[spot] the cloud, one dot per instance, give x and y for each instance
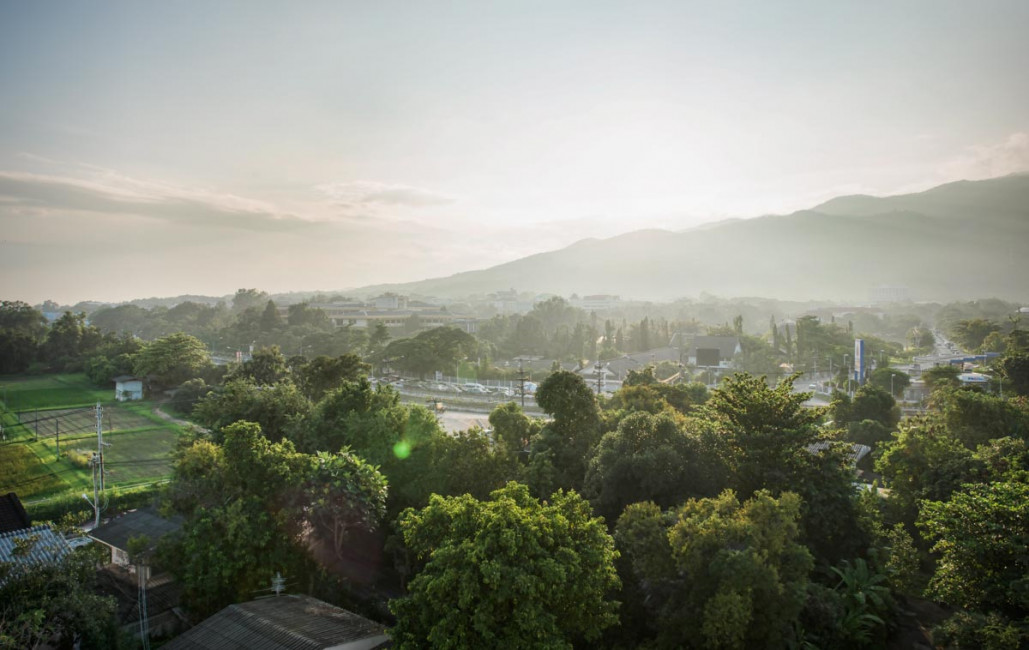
(989, 161)
(365, 194)
(111, 193)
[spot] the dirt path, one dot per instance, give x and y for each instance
(171, 418)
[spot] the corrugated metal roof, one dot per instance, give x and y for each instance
(278, 623)
(31, 547)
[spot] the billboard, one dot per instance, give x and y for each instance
(707, 357)
(858, 372)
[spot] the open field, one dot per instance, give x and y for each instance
(138, 443)
(51, 391)
(23, 472)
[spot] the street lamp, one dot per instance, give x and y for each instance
(846, 366)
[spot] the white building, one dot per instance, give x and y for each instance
(127, 388)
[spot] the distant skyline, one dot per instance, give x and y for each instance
(159, 149)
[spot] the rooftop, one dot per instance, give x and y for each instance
(135, 523)
(283, 623)
(12, 514)
(31, 547)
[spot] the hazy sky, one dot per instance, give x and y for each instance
(161, 148)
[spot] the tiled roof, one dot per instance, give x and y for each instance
(12, 513)
(135, 523)
(44, 546)
(282, 623)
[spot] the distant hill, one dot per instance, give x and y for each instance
(960, 240)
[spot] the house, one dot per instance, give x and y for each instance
(283, 623)
(127, 387)
(12, 514)
(714, 351)
(144, 522)
(31, 547)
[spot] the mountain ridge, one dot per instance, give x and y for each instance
(957, 240)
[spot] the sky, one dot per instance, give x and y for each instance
(166, 148)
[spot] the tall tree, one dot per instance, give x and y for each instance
(568, 439)
(509, 572)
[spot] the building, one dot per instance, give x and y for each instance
(283, 623)
(127, 388)
(12, 514)
(714, 351)
(144, 522)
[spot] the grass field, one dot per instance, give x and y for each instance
(138, 443)
(51, 391)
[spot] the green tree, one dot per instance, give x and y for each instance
(890, 379)
(275, 408)
(941, 377)
(271, 320)
(869, 403)
(768, 442)
(1014, 367)
(343, 493)
(506, 573)
(69, 340)
(379, 338)
(248, 298)
(923, 462)
(171, 360)
(575, 429)
(21, 317)
(54, 605)
(304, 315)
(512, 428)
(323, 374)
(648, 458)
(975, 418)
(250, 504)
(981, 535)
(970, 334)
(440, 348)
(766, 430)
(717, 573)
(265, 367)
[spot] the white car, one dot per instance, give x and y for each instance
(477, 389)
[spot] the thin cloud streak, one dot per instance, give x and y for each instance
(116, 194)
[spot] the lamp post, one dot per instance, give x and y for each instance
(846, 365)
(892, 376)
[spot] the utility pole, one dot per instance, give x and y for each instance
(600, 378)
(143, 574)
(100, 443)
(521, 381)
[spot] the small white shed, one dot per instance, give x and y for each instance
(127, 387)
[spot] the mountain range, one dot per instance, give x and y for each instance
(962, 240)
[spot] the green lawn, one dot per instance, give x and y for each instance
(51, 391)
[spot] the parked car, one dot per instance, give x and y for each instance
(477, 389)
